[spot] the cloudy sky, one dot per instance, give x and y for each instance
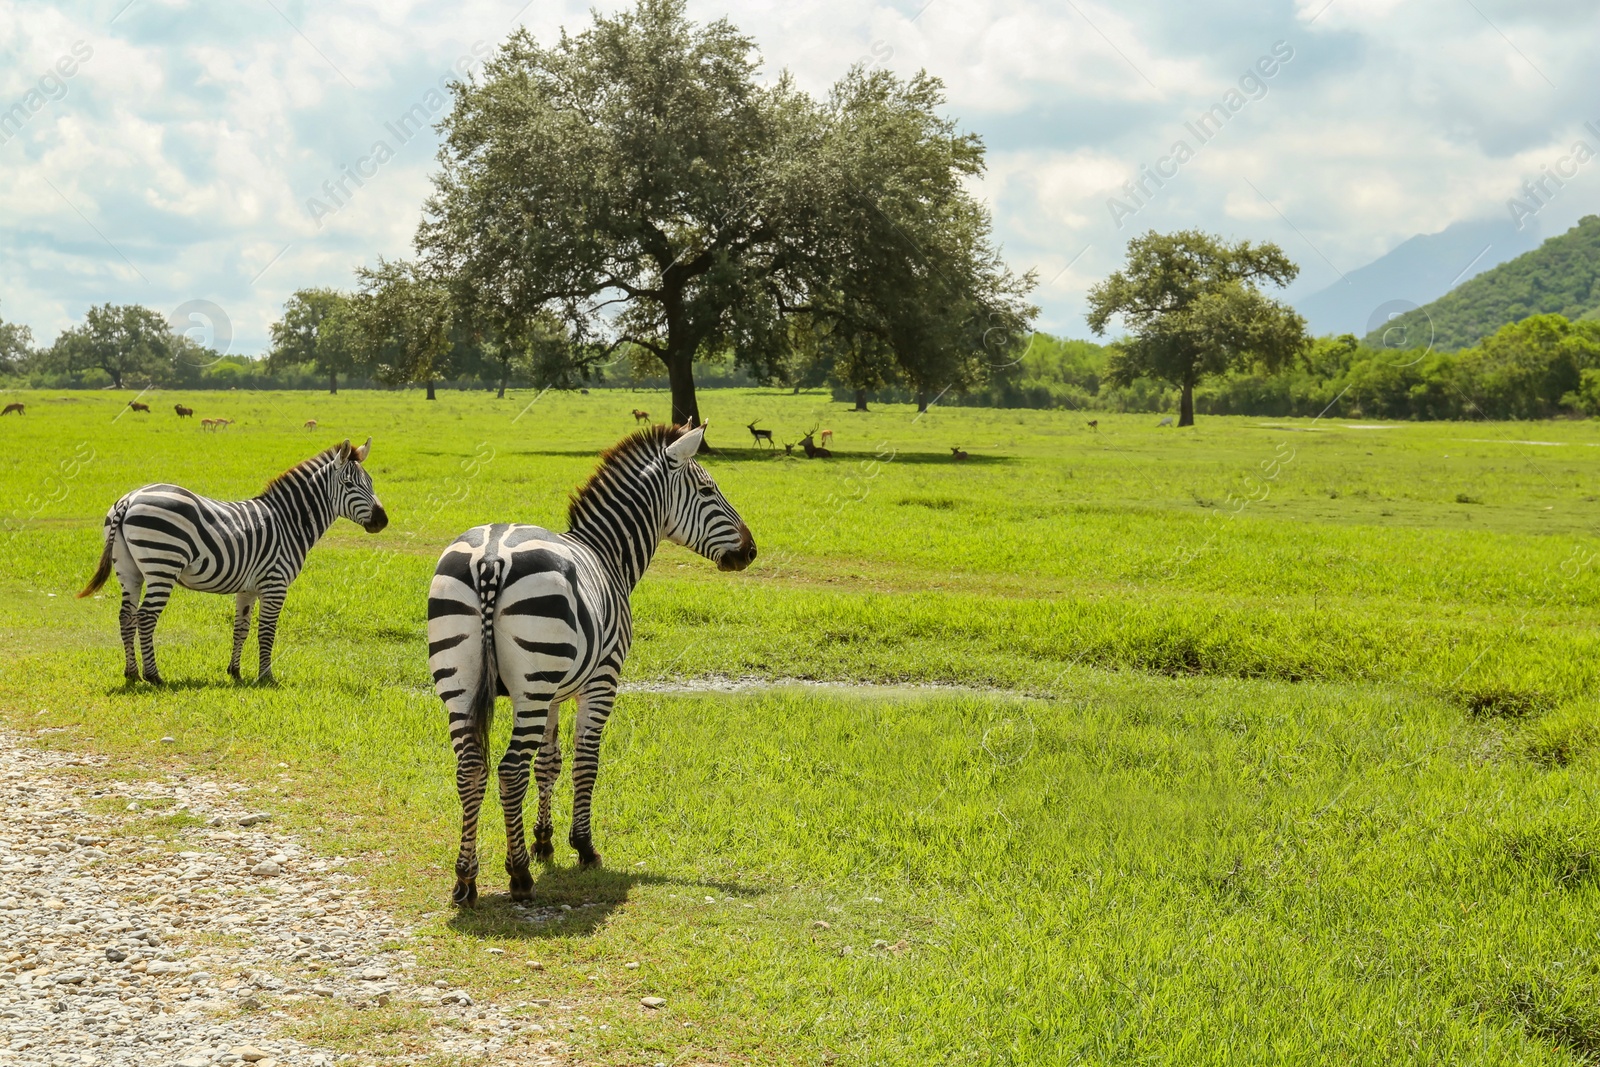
(165, 153)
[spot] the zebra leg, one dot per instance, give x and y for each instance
(527, 734)
(156, 593)
(547, 767)
(267, 630)
(472, 781)
(594, 708)
(131, 581)
(244, 604)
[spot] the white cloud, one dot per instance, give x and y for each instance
(195, 135)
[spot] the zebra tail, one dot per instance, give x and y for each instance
(482, 711)
(103, 571)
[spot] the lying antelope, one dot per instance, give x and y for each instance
(812, 450)
(134, 405)
(956, 454)
(640, 416)
(761, 435)
(18, 408)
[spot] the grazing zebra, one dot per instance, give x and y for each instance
(164, 534)
(522, 612)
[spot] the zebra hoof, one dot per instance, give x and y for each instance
(466, 893)
(130, 676)
(153, 678)
(521, 883)
(542, 848)
(587, 856)
(233, 672)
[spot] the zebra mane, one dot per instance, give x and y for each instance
(305, 466)
(646, 443)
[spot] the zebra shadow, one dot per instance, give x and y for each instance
(573, 902)
(183, 685)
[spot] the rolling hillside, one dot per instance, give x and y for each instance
(1562, 275)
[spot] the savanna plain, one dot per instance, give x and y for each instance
(1262, 741)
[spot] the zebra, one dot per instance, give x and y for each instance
(164, 534)
(518, 611)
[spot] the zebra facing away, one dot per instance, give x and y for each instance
(163, 535)
(541, 617)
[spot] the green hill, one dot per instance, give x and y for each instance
(1562, 275)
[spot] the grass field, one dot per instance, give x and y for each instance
(1262, 741)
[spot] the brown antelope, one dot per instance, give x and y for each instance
(1094, 424)
(812, 450)
(957, 454)
(18, 408)
(134, 405)
(826, 436)
(183, 412)
(761, 435)
(640, 416)
(311, 424)
(209, 424)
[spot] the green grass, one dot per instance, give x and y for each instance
(1264, 745)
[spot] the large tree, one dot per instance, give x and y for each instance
(404, 326)
(636, 181)
(126, 341)
(318, 328)
(16, 346)
(1193, 306)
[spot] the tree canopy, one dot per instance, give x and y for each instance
(317, 328)
(16, 346)
(1193, 307)
(638, 184)
(127, 341)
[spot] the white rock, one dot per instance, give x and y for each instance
(266, 869)
(653, 1002)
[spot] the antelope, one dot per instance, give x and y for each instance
(640, 416)
(761, 435)
(18, 408)
(812, 451)
(827, 437)
(134, 405)
(209, 424)
(1094, 424)
(311, 424)
(183, 412)
(957, 455)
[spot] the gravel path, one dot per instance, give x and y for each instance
(126, 950)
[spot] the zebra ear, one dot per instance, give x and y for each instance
(360, 454)
(341, 453)
(684, 448)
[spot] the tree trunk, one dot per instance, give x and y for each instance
(430, 390)
(680, 375)
(861, 400)
(922, 402)
(1186, 406)
(333, 383)
(501, 395)
(796, 391)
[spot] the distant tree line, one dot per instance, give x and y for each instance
(1545, 366)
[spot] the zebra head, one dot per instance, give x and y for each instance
(698, 516)
(353, 497)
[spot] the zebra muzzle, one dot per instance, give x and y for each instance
(738, 559)
(379, 520)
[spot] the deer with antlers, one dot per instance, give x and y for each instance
(761, 435)
(957, 455)
(813, 451)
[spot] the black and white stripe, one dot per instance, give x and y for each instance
(541, 617)
(164, 535)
